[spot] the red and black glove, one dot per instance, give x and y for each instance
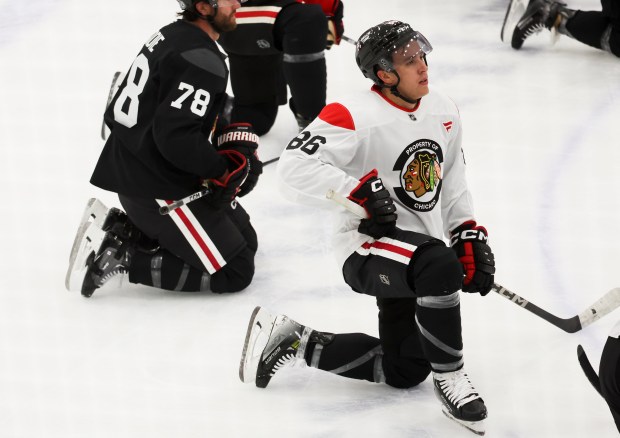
(334, 11)
(469, 240)
(225, 188)
(375, 198)
(241, 137)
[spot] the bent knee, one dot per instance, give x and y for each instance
(236, 275)
(435, 270)
(407, 377)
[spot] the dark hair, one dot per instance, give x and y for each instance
(188, 15)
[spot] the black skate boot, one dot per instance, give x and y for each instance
(302, 122)
(102, 231)
(96, 220)
(460, 400)
(270, 344)
(538, 15)
(113, 258)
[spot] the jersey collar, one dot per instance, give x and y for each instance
(377, 90)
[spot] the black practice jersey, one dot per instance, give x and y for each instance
(162, 116)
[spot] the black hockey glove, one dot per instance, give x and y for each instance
(469, 242)
(241, 137)
(374, 197)
(334, 11)
(226, 188)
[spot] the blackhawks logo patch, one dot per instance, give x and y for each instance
(419, 166)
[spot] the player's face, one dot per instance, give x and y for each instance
(225, 19)
(410, 64)
(411, 177)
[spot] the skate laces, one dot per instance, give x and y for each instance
(535, 22)
(286, 360)
(113, 273)
(283, 343)
(529, 31)
(109, 266)
(457, 387)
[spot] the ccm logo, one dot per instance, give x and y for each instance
(473, 235)
(513, 297)
(377, 185)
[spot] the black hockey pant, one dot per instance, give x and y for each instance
(200, 249)
(415, 279)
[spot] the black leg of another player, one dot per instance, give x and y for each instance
(301, 30)
(609, 375)
(200, 250)
(258, 87)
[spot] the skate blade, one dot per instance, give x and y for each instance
(88, 240)
(515, 11)
(95, 212)
(476, 427)
(259, 329)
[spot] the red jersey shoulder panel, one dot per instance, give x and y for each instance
(337, 114)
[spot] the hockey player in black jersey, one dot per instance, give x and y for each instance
(279, 43)
(599, 29)
(160, 149)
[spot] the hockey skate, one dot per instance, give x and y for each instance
(460, 401)
(538, 15)
(270, 344)
(515, 11)
(112, 258)
(97, 219)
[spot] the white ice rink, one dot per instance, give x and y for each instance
(541, 141)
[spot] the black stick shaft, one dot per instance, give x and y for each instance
(167, 209)
(570, 325)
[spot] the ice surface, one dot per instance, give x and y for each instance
(541, 140)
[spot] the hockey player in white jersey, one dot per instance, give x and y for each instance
(396, 151)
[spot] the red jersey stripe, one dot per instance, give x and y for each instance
(199, 239)
(254, 14)
(389, 247)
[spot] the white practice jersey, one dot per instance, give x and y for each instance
(417, 154)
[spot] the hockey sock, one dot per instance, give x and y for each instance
(439, 322)
(307, 82)
(352, 355)
(164, 270)
(261, 115)
(302, 30)
(594, 29)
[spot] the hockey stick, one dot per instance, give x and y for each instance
(604, 305)
(608, 302)
(110, 96)
(348, 40)
(268, 162)
(167, 209)
(586, 366)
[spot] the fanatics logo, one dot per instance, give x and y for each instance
(413, 117)
(384, 279)
(448, 126)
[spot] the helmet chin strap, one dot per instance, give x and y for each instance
(395, 92)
